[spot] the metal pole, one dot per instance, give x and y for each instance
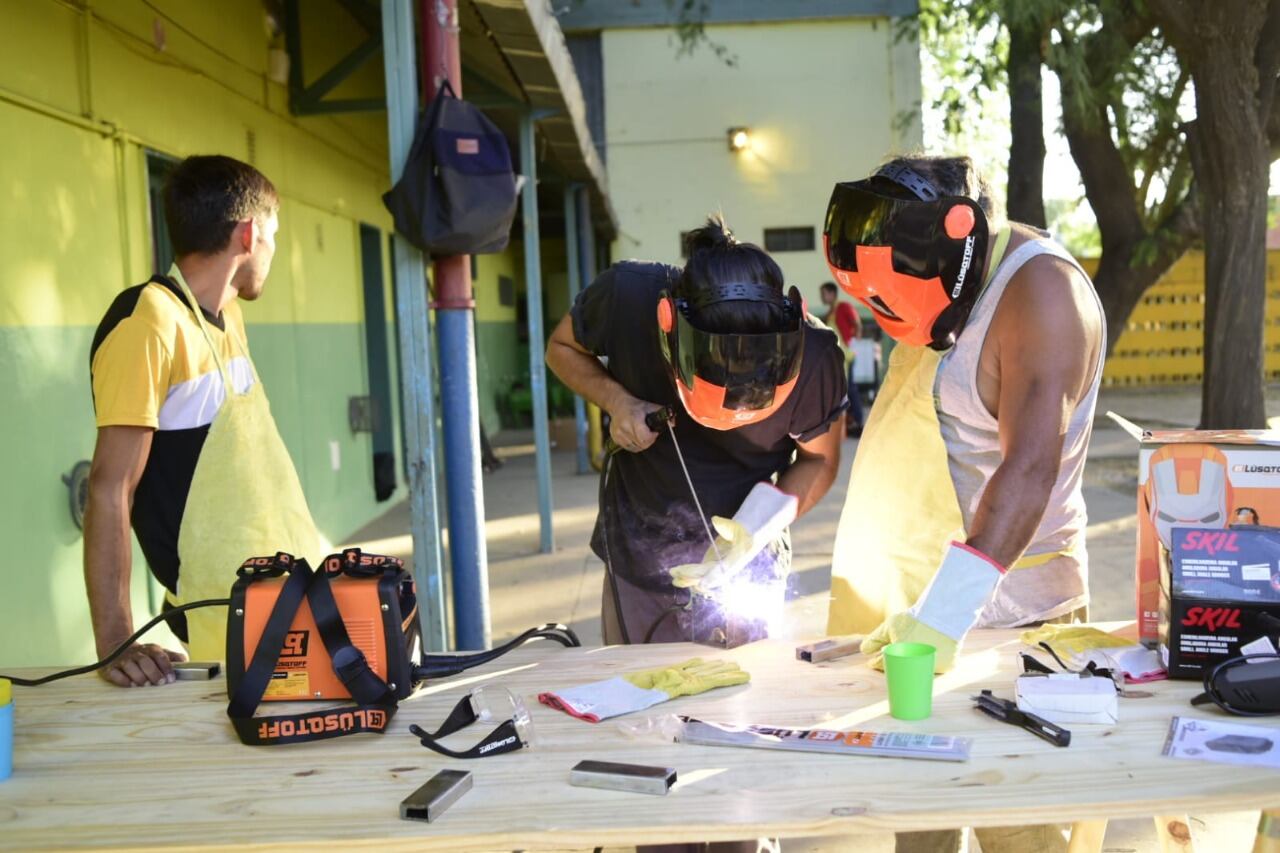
(586, 270)
(533, 292)
(459, 403)
(415, 333)
(573, 263)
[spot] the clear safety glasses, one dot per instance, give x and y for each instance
(486, 705)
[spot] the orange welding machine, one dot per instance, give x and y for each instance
(348, 630)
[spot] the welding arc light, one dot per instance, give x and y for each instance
(739, 139)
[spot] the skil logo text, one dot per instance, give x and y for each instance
(1210, 541)
(1212, 618)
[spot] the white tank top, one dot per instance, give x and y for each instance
(972, 435)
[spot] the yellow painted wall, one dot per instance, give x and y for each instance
(1163, 341)
(86, 90)
(824, 102)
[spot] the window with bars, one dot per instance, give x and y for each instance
(792, 239)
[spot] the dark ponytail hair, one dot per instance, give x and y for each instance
(716, 257)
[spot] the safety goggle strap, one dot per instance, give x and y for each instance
(462, 715)
(505, 738)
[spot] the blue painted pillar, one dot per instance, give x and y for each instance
(459, 404)
(573, 263)
(414, 332)
(537, 340)
(586, 272)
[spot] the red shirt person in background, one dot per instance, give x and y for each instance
(843, 317)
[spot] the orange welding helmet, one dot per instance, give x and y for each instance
(729, 380)
(1188, 486)
(912, 255)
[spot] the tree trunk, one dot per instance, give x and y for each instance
(1026, 124)
(1229, 150)
(1120, 285)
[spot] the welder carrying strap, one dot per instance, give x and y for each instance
(376, 702)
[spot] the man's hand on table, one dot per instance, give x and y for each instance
(143, 664)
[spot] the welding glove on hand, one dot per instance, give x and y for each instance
(635, 691)
(761, 519)
(943, 614)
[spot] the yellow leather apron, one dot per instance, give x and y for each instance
(245, 501)
(901, 511)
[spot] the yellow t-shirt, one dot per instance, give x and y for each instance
(151, 366)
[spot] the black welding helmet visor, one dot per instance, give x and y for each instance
(915, 257)
(731, 380)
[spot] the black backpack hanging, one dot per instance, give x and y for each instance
(457, 195)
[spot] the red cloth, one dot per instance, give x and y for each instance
(846, 322)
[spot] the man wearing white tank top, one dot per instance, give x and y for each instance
(964, 505)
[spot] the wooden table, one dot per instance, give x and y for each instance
(160, 767)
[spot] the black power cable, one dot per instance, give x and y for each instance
(81, 670)
(443, 666)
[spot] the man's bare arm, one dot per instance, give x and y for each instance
(582, 372)
(815, 469)
(118, 460)
(1049, 339)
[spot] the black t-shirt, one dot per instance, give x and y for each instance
(645, 505)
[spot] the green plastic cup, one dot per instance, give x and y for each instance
(908, 667)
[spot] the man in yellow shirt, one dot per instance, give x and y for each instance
(187, 451)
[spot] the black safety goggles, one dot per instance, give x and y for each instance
(485, 704)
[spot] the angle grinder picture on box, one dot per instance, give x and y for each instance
(1221, 597)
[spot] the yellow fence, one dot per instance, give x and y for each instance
(1163, 342)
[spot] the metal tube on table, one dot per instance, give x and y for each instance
(414, 332)
(533, 294)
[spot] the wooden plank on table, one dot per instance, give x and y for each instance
(160, 767)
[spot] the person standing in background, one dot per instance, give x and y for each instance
(843, 318)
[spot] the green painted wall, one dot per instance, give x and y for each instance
(498, 350)
(83, 95)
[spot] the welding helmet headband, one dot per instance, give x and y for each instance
(915, 257)
(731, 380)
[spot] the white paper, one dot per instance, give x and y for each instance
(1256, 572)
(1260, 646)
(1068, 699)
(1223, 743)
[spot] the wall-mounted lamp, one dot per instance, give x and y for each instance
(739, 139)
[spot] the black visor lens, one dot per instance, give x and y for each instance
(749, 367)
(859, 216)
(855, 217)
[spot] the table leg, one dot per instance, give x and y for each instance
(1174, 832)
(1086, 836)
(1268, 840)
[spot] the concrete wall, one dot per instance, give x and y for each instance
(825, 101)
(83, 96)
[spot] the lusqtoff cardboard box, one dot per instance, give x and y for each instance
(1196, 478)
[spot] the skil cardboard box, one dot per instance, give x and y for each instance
(1222, 599)
(1200, 478)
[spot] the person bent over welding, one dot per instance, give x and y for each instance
(718, 368)
(964, 505)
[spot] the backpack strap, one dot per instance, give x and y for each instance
(375, 702)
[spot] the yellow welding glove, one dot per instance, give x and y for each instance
(734, 544)
(1072, 640)
(761, 519)
(689, 678)
(905, 628)
(635, 691)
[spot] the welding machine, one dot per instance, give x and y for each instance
(348, 630)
